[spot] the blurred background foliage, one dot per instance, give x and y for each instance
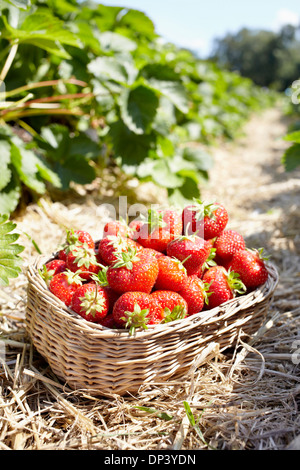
(271, 59)
(84, 86)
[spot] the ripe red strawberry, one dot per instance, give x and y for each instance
(91, 302)
(116, 227)
(111, 245)
(63, 285)
(251, 267)
(75, 237)
(101, 280)
(159, 228)
(171, 274)
(191, 250)
(51, 268)
(108, 321)
(83, 259)
(152, 252)
(194, 293)
(227, 244)
(206, 220)
(134, 228)
(133, 272)
(136, 310)
(223, 285)
(174, 305)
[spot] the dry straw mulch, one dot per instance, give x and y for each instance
(246, 399)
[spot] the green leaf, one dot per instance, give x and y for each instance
(114, 42)
(5, 173)
(159, 414)
(42, 29)
(128, 147)
(10, 195)
(174, 91)
(10, 261)
(108, 68)
(22, 4)
(293, 137)
(137, 21)
(184, 194)
(138, 108)
(55, 140)
(75, 169)
(201, 159)
(291, 157)
(163, 175)
(24, 162)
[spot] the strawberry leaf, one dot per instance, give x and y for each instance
(10, 261)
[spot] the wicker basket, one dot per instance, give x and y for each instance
(103, 361)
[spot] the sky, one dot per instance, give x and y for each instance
(196, 23)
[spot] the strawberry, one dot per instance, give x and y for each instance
(91, 302)
(174, 305)
(83, 259)
(75, 237)
(194, 293)
(251, 267)
(134, 228)
(51, 268)
(63, 285)
(228, 243)
(191, 250)
(205, 220)
(152, 252)
(136, 310)
(171, 274)
(111, 245)
(222, 285)
(159, 228)
(116, 227)
(133, 271)
(108, 321)
(101, 280)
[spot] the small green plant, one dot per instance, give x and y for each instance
(10, 261)
(195, 423)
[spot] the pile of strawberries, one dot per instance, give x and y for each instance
(165, 266)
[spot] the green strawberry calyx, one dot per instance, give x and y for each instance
(84, 256)
(180, 264)
(210, 261)
(138, 318)
(235, 283)
(101, 277)
(91, 303)
(73, 278)
(154, 219)
(126, 259)
(203, 209)
(72, 241)
(206, 290)
(46, 274)
(177, 313)
(259, 252)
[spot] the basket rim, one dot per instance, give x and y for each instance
(230, 307)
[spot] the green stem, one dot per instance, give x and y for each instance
(30, 86)
(37, 112)
(8, 62)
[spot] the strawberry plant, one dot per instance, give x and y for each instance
(98, 88)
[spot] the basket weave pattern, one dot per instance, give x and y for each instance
(106, 361)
